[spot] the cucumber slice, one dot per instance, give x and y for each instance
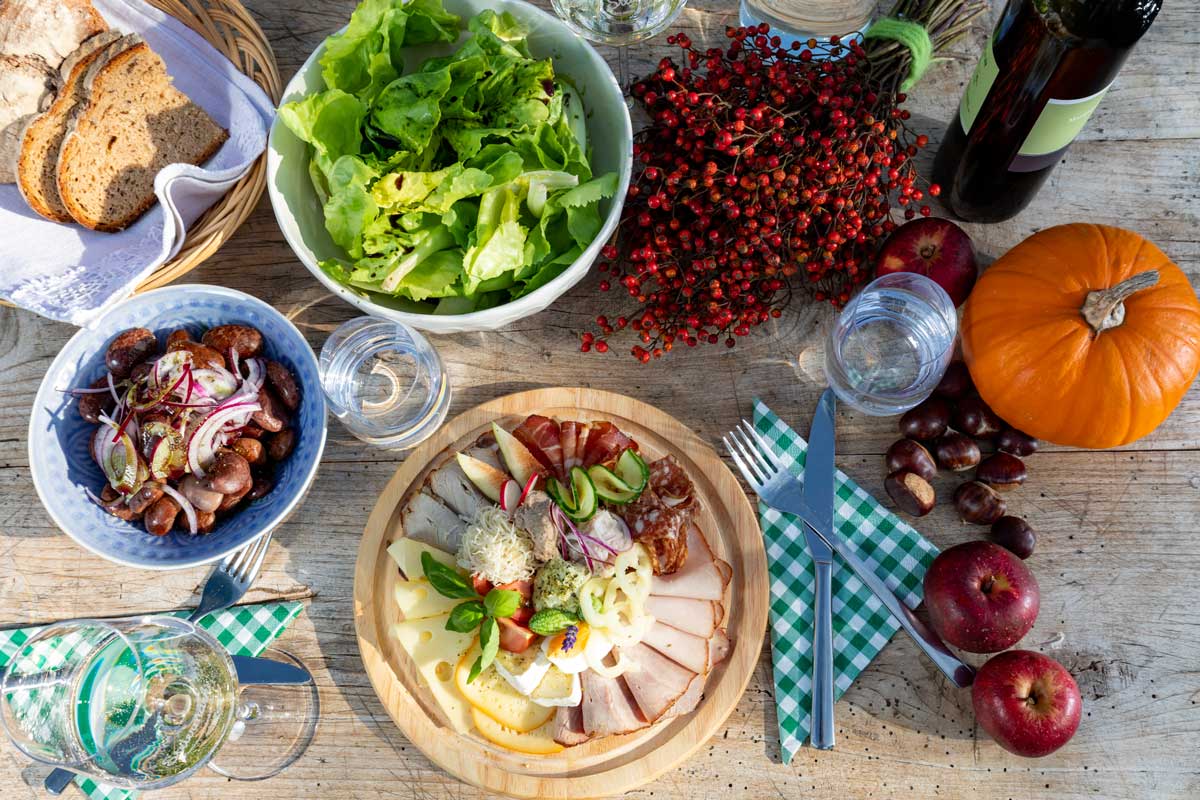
(561, 495)
(585, 496)
(633, 471)
(609, 487)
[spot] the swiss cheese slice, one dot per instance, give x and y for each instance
(407, 554)
(418, 600)
(436, 651)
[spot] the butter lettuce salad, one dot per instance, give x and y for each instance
(461, 185)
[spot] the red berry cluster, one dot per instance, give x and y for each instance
(760, 163)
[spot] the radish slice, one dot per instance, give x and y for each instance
(188, 510)
(529, 484)
(510, 496)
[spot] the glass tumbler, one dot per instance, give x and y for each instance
(891, 344)
(618, 22)
(385, 382)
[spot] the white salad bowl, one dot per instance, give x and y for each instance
(301, 216)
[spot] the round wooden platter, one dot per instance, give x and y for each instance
(611, 765)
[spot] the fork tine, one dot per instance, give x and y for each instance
(755, 484)
(764, 447)
(761, 461)
(250, 572)
(741, 448)
(235, 562)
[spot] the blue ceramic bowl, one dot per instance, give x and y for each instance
(59, 439)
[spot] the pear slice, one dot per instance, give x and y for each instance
(486, 478)
(520, 462)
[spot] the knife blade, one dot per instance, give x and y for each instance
(256, 671)
(818, 467)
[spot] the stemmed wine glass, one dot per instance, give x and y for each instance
(145, 703)
(618, 22)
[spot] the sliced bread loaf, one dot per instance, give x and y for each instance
(130, 123)
(48, 29)
(37, 163)
(27, 85)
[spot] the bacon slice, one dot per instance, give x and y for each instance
(568, 726)
(690, 616)
(682, 648)
(658, 682)
(604, 443)
(568, 433)
(541, 435)
(608, 706)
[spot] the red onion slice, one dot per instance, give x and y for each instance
(188, 510)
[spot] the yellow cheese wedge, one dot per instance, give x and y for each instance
(407, 554)
(436, 651)
(538, 742)
(493, 695)
(418, 600)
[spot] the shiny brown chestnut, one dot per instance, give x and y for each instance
(1002, 471)
(975, 418)
(926, 421)
(911, 493)
(979, 503)
(1016, 442)
(956, 452)
(956, 382)
(911, 455)
(1015, 535)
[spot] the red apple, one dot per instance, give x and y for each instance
(1027, 702)
(935, 248)
(981, 597)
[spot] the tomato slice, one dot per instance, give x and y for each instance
(515, 638)
(523, 615)
(480, 584)
(525, 588)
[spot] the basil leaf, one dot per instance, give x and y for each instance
(489, 642)
(502, 602)
(446, 580)
(466, 617)
(550, 621)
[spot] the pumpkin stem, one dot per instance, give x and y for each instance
(1105, 309)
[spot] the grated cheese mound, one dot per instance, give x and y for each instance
(493, 547)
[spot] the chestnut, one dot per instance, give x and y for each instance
(926, 421)
(1001, 471)
(911, 493)
(1019, 443)
(1015, 535)
(979, 503)
(910, 455)
(956, 382)
(956, 452)
(976, 419)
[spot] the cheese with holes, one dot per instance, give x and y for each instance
(493, 695)
(418, 600)
(436, 651)
(407, 554)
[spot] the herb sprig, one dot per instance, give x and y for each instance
(474, 612)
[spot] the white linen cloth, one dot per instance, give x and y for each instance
(71, 274)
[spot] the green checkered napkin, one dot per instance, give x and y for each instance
(244, 631)
(861, 624)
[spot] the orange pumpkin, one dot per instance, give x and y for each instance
(1084, 335)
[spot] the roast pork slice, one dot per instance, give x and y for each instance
(688, 702)
(718, 647)
(696, 617)
(452, 486)
(568, 726)
(608, 706)
(428, 520)
(695, 581)
(488, 454)
(656, 682)
(682, 648)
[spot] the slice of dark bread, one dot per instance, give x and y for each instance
(130, 123)
(48, 29)
(37, 163)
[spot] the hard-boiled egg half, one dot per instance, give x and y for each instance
(572, 653)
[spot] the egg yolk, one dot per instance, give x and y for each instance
(555, 648)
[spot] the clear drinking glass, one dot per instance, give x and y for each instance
(618, 22)
(891, 344)
(144, 703)
(385, 382)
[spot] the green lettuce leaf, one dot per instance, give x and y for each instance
(409, 108)
(329, 121)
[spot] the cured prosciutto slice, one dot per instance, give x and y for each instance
(541, 435)
(608, 706)
(683, 648)
(568, 434)
(658, 682)
(696, 617)
(582, 431)
(568, 726)
(604, 443)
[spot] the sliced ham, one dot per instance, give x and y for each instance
(699, 582)
(696, 617)
(656, 682)
(541, 435)
(568, 726)
(683, 648)
(567, 434)
(608, 706)
(604, 443)
(688, 702)
(718, 647)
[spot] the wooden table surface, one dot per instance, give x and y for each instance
(1117, 559)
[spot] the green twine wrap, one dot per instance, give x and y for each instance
(913, 36)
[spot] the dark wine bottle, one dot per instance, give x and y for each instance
(1042, 74)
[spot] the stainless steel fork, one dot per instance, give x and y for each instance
(226, 584)
(777, 487)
